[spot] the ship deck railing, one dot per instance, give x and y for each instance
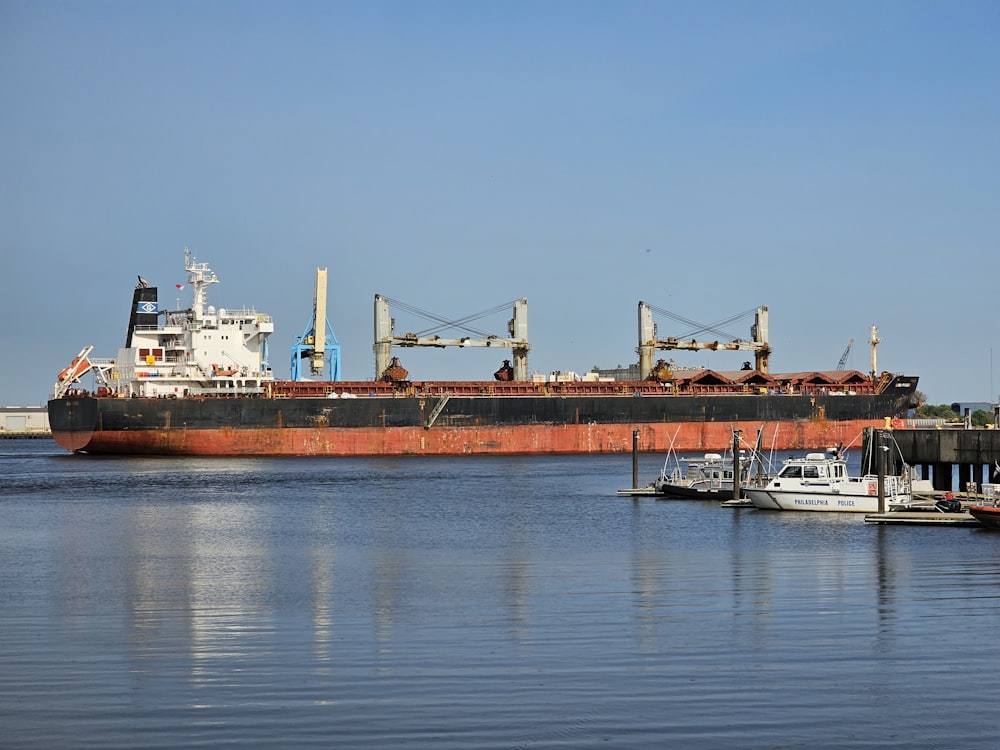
(384, 389)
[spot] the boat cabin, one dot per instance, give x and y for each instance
(814, 466)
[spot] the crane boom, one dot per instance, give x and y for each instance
(843, 357)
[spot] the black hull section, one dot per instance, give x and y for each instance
(81, 414)
(686, 493)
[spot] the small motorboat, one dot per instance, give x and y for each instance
(987, 515)
(708, 478)
(711, 476)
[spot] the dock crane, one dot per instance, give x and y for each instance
(317, 343)
(648, 342)
(844, 356)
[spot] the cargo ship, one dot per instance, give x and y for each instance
(198, 381)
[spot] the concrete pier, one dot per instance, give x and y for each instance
(937, 453)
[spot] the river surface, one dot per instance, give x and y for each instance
(466, 603)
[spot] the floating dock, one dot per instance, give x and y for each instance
(927, 514)
(922, 518)
(649, 491)
(741, 503)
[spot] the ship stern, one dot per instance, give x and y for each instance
(73, 420)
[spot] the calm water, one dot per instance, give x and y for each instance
(472, 603)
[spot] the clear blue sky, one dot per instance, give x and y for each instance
(837, 162)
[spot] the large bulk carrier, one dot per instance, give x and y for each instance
(198, 382)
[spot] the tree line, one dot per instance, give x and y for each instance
(979, 418)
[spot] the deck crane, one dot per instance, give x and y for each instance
(843, 357)
(648, 342)
(317, 343)
(517, 339)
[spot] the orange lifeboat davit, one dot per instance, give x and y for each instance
(80, 365)
(218, 372)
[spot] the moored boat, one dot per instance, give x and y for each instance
(198, 382)
(712, 476)
(987, 515)
(821, 482)
(706, 478)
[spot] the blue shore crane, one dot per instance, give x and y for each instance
(318, 342)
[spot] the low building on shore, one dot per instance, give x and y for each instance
(24, 421)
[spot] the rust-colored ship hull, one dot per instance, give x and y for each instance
(444, 419)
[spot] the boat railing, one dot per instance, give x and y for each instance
(991, 494)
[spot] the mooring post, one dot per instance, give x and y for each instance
(635, 459)
(882, 450)
(737, 466)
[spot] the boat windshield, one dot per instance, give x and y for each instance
(791, 472)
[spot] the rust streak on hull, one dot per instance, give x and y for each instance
(450, 441)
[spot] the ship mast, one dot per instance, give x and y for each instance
(875, 341)
(199, 277)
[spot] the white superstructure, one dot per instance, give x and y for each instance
(198, 351)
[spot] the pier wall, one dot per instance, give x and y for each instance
(942, 455)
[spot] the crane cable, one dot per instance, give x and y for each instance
(444, 323)
(714, 328)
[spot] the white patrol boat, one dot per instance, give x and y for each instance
(201, 351)
(820, 482)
